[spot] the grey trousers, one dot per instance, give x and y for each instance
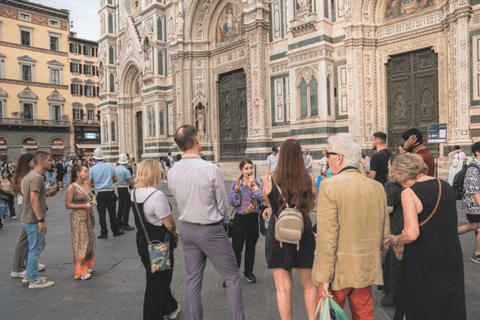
(21, 253)
(200, 243)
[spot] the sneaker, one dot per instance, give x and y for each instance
(26, 279)
(90, 271)
(174, 314)
(41, 267)
(1, 223)
(41, 283)
(85, 277)
(224, 284)
(14, 274)
(475, 258)
(250, 278)
(13, 217)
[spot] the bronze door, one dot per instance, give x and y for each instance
(233, 115)
(412, 95)
(139, 137)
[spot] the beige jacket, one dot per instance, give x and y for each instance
(353, 228)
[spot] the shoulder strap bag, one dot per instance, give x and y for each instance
(400, 248)
(158, 251)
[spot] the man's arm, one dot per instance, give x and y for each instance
(373, 167)
(38, 211)
(268, 168)
(131, 182)
(220, 194)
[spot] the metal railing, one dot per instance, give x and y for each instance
(34, 122)
(82, 121)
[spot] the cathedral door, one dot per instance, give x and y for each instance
(412, 95)
(233, 115)
(139, 118)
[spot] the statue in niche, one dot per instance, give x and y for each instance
(170, 27)
(148, 56)
(200, 118)
(180, 25)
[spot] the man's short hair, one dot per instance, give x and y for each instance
(40, 156)
(380, 136)
(185, 137)
(413, 132)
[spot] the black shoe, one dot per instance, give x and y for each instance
(250, 278)
(118, 233)
(102, 236)
(128, 228)
(1, 223)
(224, 284)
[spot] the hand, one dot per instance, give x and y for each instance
(94, 203)
(251, 181)
(88, 206)
(410, 143)
(237, 187)
(267, 213)
(323, 289)
(43, 227)
(51, 192)
(177, 237)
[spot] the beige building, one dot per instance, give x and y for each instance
(35, 110)
(84, 94)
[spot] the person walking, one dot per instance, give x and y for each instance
(353, 230)
(199, 190)
(156, 215)
(471, 201)
(33, 218)
(245, 196)
(433, 276)
(309, 162)
(60, 168)
(124, 181)
(50, 174)
(414, 144)
(6, 189)
(291, 178)
(24, 166)
(80, 199)
(379, 161)
(458, 157)
(102, 175)
(272, 161)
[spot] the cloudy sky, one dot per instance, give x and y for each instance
(83, 13)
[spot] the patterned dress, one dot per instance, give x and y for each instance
(83, 235)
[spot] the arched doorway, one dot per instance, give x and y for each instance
(3, 149)
(57, 148)
(29, 145)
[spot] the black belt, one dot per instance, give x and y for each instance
(201, 224)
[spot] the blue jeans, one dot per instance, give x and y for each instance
(65, 179)
(36, 244)
(50, 177)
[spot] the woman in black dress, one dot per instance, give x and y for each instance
(433, 277)
(298, 190)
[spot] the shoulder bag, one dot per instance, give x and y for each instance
(400, 248)
(158, 251)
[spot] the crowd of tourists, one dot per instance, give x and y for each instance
(383, 221)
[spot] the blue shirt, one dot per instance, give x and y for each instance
(123, 174)
(101, 175)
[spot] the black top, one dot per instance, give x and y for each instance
(379, 163)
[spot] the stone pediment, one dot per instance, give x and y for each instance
(56, 96)
(3, 93)
(26, 58)
(89, 81)
(131, 48)
(27, 94)
(2, 56)
(55, 63)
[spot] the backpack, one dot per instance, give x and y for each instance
(459, 180)
(289, 224)
(167, 162)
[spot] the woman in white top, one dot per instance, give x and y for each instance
(457, 156)
(156, 215)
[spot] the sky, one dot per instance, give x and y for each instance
(83, 14)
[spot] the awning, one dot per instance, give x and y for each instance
(3, 147)
(57, 147)
(88, 146)
(30, 147)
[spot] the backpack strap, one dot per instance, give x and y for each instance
(280, 191)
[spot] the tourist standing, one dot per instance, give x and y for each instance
(6, 189)
(309, 162)
(272, 161)
(199, 190)
(414, 144)
(124, 181)
(433, 276)
(102, 175)
(379, 161)
(60, 168)
(457, 156)
(156, 215)
(80, 199)
(245, 196)
(297, 190)
(33, 218)
(50, 174)
(353, 230)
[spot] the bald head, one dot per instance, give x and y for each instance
(185, 137)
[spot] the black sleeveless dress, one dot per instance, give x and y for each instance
(433, 276)
(287, 257)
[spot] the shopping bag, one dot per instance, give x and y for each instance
(318, 182)
(328, 309)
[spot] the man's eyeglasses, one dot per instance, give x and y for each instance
(331, 154)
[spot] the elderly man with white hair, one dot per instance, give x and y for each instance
(353, 230)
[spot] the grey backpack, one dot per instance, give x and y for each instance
(289, 225)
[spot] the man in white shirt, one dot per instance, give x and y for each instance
(199, 190)
(272, 161)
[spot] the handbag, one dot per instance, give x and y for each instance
(159, 252)
(262, 227)
(399, 249)
(229, 226)
(114, 197)
(3, 196)
(328, 309)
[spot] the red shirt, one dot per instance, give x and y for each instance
(429, 161)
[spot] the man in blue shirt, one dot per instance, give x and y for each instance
(103, 177)
(124, 180)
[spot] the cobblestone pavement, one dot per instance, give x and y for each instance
(116, 288)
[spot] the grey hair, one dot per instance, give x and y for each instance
(346, 145)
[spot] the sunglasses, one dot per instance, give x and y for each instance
(331, 154)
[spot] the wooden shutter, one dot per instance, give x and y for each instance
(81, 114)
(71, 88)
(81, 89)
(71, 67)
(71, 50)
(79, 49)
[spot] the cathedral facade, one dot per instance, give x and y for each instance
(249, 74)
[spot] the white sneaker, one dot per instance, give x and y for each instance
(26, 279)
(85, 277)
(90, 271)
(17, 274)
(41, 267)
(41, 283)
(174, 314)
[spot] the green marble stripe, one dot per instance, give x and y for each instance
(299, 132)
(475, 119)
(161, 88)
(106, 103)
(278, 56)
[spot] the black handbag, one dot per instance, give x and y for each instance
(3, 196)
(261, 227)
(229, 226)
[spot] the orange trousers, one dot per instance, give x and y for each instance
(361, 301)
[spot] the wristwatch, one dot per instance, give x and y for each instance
(42, 220)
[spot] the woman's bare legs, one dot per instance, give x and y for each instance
(310, 291)
(283, 283)
(471, 227)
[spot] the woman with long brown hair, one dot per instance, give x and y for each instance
(297, 189)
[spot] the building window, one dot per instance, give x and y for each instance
(105, 131)
(111, 55)
(162, 124)
(307, 91)
(25, 37)
(76, 89)
(303, 99)
(110, 23)
(77, 114)
(24, 16)
(27, 111)
(54, 43)
(313, 97)
(151, 123)
(88, 51)
(160, 62)
(75, 68)
(2, 66)
(114, 131)
(88, 69)
(56, 113)
(159, 29)
(90, 115)
(54, 23)
(54, 76)
(112, 83)
(27, 73)
(89, 91)
(74, 48)
(2, 109)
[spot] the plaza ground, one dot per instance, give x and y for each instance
(116, 288)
